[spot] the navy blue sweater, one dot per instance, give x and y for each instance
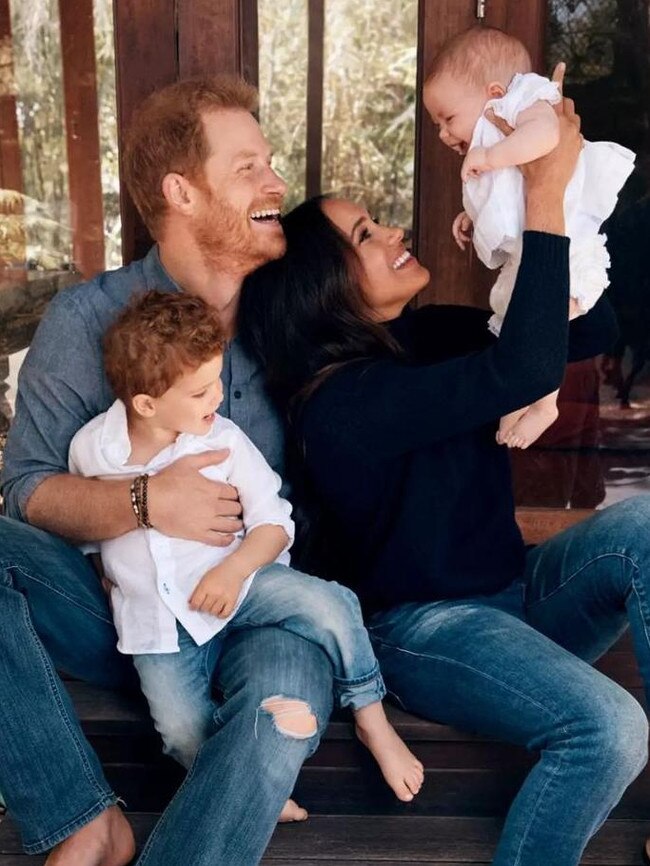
(402, 453)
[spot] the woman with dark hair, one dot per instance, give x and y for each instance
(392, 415)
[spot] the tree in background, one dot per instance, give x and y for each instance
(369, 110)
(40, 111)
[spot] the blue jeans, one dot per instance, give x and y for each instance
(178, 685)
(53, 613)
(516, 666)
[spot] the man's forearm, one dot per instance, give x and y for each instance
(82, 509)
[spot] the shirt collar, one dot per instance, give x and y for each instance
(155, 275)
(114, 441)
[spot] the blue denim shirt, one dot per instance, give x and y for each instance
(62, 384)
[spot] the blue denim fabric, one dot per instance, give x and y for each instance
(62, 384)
(178, 685)
(515, 666)
(53, 613)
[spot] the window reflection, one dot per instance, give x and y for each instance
(599, 450)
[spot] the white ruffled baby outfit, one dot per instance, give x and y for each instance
(495, 202)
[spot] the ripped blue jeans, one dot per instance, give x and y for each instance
(178, 686)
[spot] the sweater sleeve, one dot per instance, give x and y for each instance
(593, 333)
(392, 408)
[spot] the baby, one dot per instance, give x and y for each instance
(484, 68)
(174, 599)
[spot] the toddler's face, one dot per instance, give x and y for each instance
(190, 404)
(454, 106)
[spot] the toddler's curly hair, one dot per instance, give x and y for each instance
(156, 338)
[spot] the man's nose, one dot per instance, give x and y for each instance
(274, 184)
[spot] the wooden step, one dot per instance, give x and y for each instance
(329, 839)
(466, 775)
(470, 782)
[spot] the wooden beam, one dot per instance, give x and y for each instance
(218, 36)
(457, 278)
(11, 176)
(250, 47)
(82, 135)
(315, 73)
(146, 58)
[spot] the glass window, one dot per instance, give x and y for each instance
(368, 102)
(599, 450)
(39, 242)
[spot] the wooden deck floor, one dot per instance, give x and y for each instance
(470, 782)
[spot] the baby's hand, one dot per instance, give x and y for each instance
(475, 163)
(461, 229)
(217, 591)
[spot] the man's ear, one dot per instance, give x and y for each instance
(179, 193)
(144, 405)
(496, 90)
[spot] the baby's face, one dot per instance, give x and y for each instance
(454, 106)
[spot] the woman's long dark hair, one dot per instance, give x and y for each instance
(304, 316)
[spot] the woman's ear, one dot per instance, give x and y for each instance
(496, 90)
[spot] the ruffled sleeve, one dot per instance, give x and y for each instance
(524, 91)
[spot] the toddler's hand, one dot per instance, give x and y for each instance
(461, 229)
(475, 163)
(217, 591)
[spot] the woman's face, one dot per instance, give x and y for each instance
(390, 275)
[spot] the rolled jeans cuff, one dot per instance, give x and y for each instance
(360, 692)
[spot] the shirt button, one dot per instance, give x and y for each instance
(237, 394)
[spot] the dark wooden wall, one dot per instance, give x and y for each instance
(160, 41)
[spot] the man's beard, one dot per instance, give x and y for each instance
(227, 242)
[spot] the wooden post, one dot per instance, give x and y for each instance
(145, 57)
(10, 165)
(82, 134)
(218, 36)
(315, 72)
(456, 277)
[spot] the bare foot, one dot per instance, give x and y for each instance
(106, 841)
(531, 425)
(291, 811)
(507, 423)
(399, 766)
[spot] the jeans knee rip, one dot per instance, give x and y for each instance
(280, 707)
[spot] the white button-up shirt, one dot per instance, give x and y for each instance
(154, 575)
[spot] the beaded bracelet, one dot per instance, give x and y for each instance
(139, 487)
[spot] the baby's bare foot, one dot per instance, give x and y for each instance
(291, 811)
(106, 841)
(531, 425)
(399, 766)
(507, 424)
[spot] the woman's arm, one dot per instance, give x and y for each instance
(391, 408)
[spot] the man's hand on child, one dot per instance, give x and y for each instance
(461, 229)
(217, 591)
(184, 503)
(476, 163)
